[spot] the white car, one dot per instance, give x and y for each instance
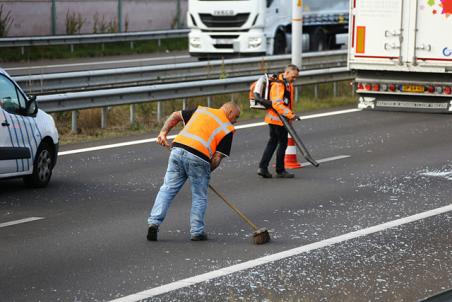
(28, 136)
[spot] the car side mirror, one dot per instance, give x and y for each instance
(32, 106)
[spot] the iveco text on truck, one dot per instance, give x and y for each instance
(221, 28)
(401, 52)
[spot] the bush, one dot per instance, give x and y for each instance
(74, 23)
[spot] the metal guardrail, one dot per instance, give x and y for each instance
(161, 92)
(93, 38)
(145, 75)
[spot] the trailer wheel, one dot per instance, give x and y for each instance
(42, 167)
(279, 43)
(319, 40)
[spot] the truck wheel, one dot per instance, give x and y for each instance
(279, 43)
(42, 167)
(319, 41)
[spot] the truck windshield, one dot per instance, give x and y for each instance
(324, 5)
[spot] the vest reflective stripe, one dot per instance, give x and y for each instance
(272, 117)
(223, 125)
(198, 139)
(212, 125)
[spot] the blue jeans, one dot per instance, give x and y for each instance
(183, 165)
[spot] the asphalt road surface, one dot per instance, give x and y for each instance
(84, 64)
(372, 223)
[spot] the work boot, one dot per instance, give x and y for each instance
(200, 237)
(285, 174)
(264, 173)
(152, 232)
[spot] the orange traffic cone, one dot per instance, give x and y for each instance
(290, 159)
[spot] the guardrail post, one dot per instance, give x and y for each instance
(316, 91)
(209, 101)
(132, 114)
(120, 16)
(22, 50)
(159, 43)
(72, 48)
(132, 45)
(74, 127)
(159, 111)
(335, 89)
(53, 14)
(178, 14)
(184, 104)
(103, 117)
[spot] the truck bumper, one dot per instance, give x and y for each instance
(210, 44)
(405, 103)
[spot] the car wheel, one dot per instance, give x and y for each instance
(42, 167)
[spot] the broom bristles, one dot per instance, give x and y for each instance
(261, 236)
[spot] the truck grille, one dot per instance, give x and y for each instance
(223, 46)
(224, 21)
(224, 37)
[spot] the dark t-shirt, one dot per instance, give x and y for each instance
(224, 147)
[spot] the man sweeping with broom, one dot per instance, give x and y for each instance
(196, 151)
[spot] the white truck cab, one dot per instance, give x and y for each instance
(223, 28)
(28, 136)
(241, 26)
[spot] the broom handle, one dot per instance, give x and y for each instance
(234, 208)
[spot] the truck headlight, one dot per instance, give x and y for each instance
(195, 42)
(254, 42)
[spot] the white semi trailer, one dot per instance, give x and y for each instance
(401, 52)
(222, 28)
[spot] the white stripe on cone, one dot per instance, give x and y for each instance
(290, 158)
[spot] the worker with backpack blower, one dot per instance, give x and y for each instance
(281, 95)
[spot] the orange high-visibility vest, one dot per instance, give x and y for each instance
(205, 130)
(280, 95)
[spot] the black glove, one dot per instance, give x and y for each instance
(266, 103)
(297, 118)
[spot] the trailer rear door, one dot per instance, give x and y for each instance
(376, 33)
(433, 42)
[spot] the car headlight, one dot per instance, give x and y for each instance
(254, 42)
(195, 42)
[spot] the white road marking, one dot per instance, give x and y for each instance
(14, 222)
(143, 141)
(324, 160)
(166, 288)
(96, 63)
(306, 117)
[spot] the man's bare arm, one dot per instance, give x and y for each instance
(174, 119)
(216, 159)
